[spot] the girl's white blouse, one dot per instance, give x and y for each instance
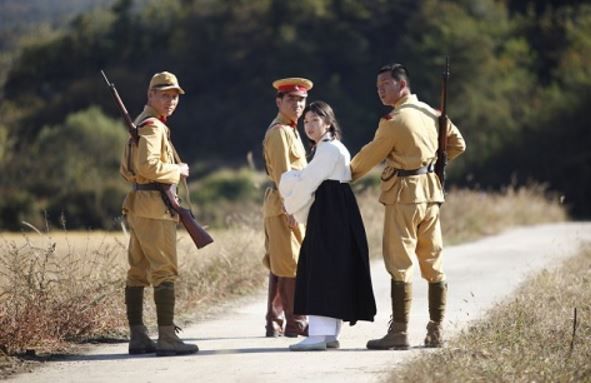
(297, 187)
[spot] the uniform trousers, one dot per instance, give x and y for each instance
(413, 230)
(152, 251)
(282, 246)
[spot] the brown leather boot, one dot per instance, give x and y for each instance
(139, 341)
(437, 303)
(397, 336)
(395, 339)
(274, 326)
(296, 324)
(168, 343)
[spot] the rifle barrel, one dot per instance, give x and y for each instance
(106, 79)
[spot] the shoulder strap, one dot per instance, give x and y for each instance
(146, 121)
(177, 160)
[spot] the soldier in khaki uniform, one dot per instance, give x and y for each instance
(411, 192)
(152, 244)
(283, 150)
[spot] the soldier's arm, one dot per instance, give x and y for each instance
(455, 142)
(278, 153)
(373, 153)
(150, 164)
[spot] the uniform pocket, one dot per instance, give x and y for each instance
(388, 183)
(389, 193)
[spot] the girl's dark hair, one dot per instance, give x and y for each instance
(325, 112)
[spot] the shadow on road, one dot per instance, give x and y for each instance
(124, 356)
(202, 353)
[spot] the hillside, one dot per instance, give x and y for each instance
(24, 14)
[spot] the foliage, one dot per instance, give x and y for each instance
(518, 71)
(224, 197)
(70, 172)
(553, 145)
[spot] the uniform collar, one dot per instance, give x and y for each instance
(151, 112)
(284, 120)
(410, 98)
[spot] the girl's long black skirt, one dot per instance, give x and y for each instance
(333, 277)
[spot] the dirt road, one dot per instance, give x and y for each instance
(233, 350)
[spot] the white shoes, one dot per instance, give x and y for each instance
(316, 343)
(332, 341)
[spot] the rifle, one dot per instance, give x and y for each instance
(167, 191)
(197, 233)
(441, 162)
(128, 121)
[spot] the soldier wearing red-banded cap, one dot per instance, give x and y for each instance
(283, 150)
(152, 244)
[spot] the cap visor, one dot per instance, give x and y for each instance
(181, 91)
(301, 93)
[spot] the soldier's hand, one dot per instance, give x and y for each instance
(291, 221)
(184, 168)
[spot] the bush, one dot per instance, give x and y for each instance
(80, 182)
(15, 206)
(48, 297)
(228, 196)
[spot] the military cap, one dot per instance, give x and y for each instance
(165, 80)
(294, 85)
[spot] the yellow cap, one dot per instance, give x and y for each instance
(297, 85)
(164, 81)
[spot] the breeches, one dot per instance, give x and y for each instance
(282, 246)
(152, 251)
(413, 230)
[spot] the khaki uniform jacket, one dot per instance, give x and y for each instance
(283, 150)
(151, 160)
(407, 139)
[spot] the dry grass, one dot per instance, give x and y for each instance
(533, 338)
(467, 215)
(51, 295)
(62, 287)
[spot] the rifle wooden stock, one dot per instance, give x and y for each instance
(443, 124)
(198, 234)
(168, 192)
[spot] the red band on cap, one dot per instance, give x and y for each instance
(291, 88)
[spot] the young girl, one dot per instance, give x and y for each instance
(333, 282)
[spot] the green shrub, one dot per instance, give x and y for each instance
(15, 206)
(226, 184)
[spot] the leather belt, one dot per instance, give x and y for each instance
(145, 187)
(415, 172)
(391, 172)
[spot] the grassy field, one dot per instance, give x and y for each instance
(533, 337)
(61, 288)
